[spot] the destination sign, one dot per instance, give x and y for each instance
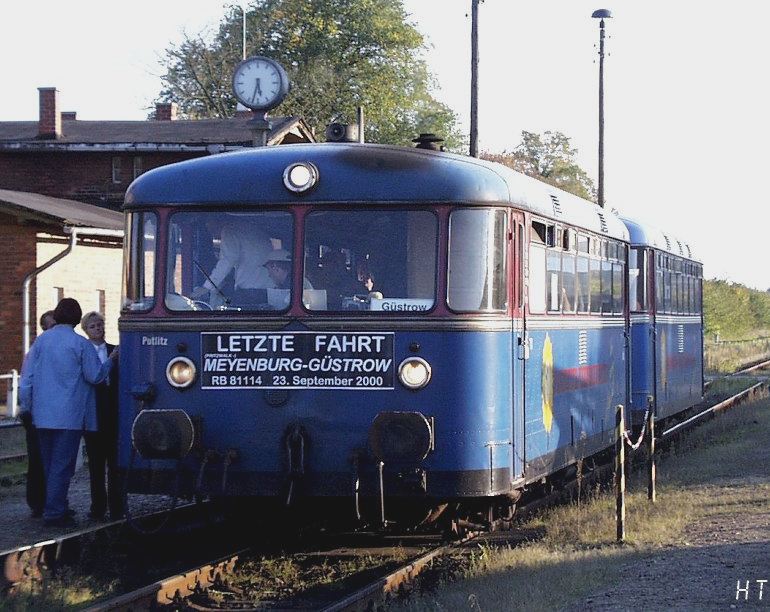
(297, 360)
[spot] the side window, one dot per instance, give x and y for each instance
(659, 283)
(477, 278)
(583, 288)
(568, 282)
(606, 286)
(637, 279)
(139, 248)
(553, 285)
(537, 269)
(617, 288)
(537, 279)
(595, 267)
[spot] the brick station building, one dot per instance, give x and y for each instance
(76, 163)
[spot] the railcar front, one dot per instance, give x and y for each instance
(665, 288)
(375, 378)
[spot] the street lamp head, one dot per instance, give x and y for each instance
(602, 14)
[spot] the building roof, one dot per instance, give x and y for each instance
(57, 211)
(213, 135)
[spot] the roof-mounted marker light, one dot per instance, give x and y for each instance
(300, 177)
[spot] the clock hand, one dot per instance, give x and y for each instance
(257, 91)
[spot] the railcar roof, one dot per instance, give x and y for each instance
(362, 173)
(643, 234)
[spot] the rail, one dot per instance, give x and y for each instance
(12, 395)
(731, 401)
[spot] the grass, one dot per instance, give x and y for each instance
(66, 592)
(286, 577)
(714, 470)
(725, 357)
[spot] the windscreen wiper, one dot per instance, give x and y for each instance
(213, 284)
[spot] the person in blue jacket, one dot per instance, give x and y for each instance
(35, 474)
(57, 384)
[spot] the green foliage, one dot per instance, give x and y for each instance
(339, 55)
(548, 157)
(734, 311)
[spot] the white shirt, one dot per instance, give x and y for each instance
(245, 248)
(101, 352)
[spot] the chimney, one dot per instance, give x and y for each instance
(49, 124)
(69, 116)
(165, 111)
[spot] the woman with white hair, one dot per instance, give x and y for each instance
(102, 444)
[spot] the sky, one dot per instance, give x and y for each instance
(686, 102)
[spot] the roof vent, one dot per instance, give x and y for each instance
(668, 242)
(603, 222)
(429, 141)
(556, 205)
(689, 252)
(681, 250)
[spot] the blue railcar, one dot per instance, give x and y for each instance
(451, 331)
(666, 303)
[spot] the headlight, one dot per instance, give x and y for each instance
(180, 372)
(414, 372)
(300, 177)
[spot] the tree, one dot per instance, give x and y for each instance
(339, 55)
(549, 158)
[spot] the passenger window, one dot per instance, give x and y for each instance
(606, 287)
(477, 279)
(617, 288)
(537, 279)
(568, 282)
(659, 287)
(553, 271)
(583, 290)
(595, 280)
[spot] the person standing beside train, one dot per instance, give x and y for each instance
(35, 475)
(57, 386)
(102, 444)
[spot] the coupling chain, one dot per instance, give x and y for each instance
(635, 445)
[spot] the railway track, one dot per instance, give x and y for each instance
(216, 585)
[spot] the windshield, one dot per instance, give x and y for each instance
(376, 260)
(229, 261)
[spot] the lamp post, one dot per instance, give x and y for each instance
(474, 148)
(601, 14)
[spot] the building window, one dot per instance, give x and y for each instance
(57, 296)
(137, 166)
(117, 170)
(100, 301)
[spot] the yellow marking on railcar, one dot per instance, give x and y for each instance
(547, 383)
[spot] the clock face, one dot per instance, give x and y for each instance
(260, 83)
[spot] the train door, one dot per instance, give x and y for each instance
(656, 306)
(520, 342)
